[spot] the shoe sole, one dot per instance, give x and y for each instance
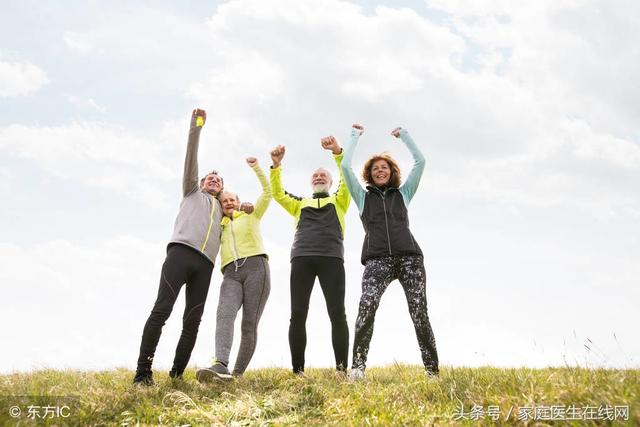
(209, 376)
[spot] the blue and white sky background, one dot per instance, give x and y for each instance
(528, 211)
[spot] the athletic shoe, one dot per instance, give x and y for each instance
(356, 374)
(175, 375)
(217, 372)
(144, 378)
(431, 373)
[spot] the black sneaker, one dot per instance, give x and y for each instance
(144, 378)
(173, 373)
(217, 372)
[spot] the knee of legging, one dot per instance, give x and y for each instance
(368, 304)
(418, 312)
(248, 328)
(338, 315)
(159, 316)
(298, 316)
(226, 316)
(191, 322)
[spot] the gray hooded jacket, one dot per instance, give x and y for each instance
(198, 221)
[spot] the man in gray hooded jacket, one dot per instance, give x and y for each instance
(190, 258)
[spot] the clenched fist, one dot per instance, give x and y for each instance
(331, 143)
(246, 207)
(277, 154)
(252, 161)
(198, 117)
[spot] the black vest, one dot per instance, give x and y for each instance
(386, 225)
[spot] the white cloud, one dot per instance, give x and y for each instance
(85, 103)
(20, 79)
(529, 122)
(78, 42)
(331, 48)
(159, 36)
(100, 156)
(576, 58)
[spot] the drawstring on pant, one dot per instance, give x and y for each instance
(235, 262)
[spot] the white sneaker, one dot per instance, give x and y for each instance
(431, 374)
(356, 374)
(217, 372)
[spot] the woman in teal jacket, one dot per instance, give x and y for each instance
(389, 250)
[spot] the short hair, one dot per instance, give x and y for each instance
(394, 179)
(214, 172)
(324, 169)
(221, 193)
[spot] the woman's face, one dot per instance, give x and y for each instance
(380, 172)
(229, 202)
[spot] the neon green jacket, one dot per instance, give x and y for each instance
(319, 220)
(241, 235)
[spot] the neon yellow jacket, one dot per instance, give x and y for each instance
(319, 220)
(241, 235)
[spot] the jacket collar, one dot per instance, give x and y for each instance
(380, 190)
(320, 195)
(226, 220)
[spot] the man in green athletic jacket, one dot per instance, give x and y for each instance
(317, 251)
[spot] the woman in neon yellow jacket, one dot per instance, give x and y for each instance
(246, 281)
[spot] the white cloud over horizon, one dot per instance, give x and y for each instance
(108, 287)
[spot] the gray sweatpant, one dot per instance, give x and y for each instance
(248, 287)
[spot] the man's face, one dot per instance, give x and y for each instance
(321, 181)
(380, 172)
(212, 184)
(229, 202)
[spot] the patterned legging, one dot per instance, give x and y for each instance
(378, 273)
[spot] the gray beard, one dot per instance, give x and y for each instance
(321, 188)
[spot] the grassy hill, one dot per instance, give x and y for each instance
(393, 395)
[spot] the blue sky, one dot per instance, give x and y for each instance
(528, 211)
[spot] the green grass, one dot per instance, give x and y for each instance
(393, 395)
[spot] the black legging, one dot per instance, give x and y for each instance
(182, 265)
(330, 273)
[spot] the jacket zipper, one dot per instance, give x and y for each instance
(386, 223)
(235, 248)
(213, 209)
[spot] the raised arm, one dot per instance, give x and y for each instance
(356, 190)
(263, 201)
(342, 194)
(408, 189)
(290, 203)
(190, 176)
